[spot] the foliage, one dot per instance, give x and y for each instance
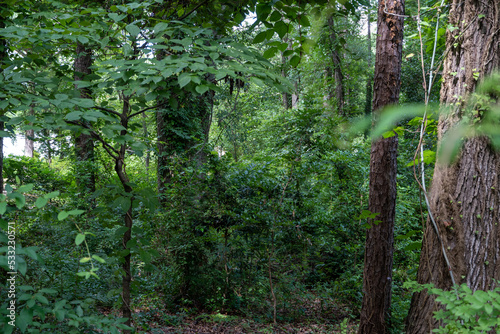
(464, 310)
(266, 226)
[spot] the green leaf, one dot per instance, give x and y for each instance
(79, 238)
(62, 215)
(122, 202)
(304, 21)
(25, 188)
(184, 79)
(41, 202)
(160, 27)
(19, 198)
(145, 256)
(133, 29)
(269, 53)
(84, 259)
(104, 42)
(275, 16)
(201, 89)
(116, 17)
(79, 311)
(22, 267)
(414, 245)
(41, 298)
(75, 212)
(60, 314)
(83, 39)
(121, 231)
(261, 37)
(73, 116)
(3, 207)
(49, 291)
(84, 103)
(51, 194)
(281, 28)
(98, 258)
(294, 61)
(24, 319)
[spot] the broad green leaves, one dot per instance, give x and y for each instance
(464, 311)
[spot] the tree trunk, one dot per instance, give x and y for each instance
(29, 135)
(146, 135)
(464, 196)
(369, 82)
(285, 97)
(127, 218)
(337, 69)
(377, 275)
(84, 146)
(179, 131)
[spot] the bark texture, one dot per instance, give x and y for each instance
(369, 81)
(377, 275)
(464, 196)
(84, 145)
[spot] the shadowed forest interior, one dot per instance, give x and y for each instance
(250, 166)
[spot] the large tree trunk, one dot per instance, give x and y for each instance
(179, 131)
(369, 82)
(377, 275)
(464, 197)
(84, 146)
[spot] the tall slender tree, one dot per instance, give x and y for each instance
(337, 66)
(377, 276)
(84, 145)
(464, 197)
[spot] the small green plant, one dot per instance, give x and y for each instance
(465, 311)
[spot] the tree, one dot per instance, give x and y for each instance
(84, 146)
(369, 83)
(464, 196)
(377, 275)
(336, 46)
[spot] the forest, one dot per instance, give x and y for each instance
(250, 166)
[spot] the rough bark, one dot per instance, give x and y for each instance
(377, 275)
(84, 145)
(464, 196)
(369, 81)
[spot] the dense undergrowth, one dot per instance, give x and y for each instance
(275, 234)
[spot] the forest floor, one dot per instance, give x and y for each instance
(245, 326)
(154, 321)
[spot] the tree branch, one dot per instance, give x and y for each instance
(95, 135)
(111, 111)
(144, 110)
(192, 10)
